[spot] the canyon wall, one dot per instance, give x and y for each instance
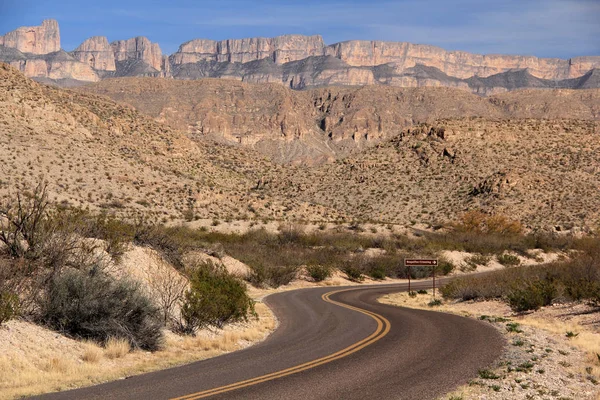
(296, 61)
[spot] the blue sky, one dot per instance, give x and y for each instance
(545, 28)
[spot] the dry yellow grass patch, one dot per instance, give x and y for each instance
(585, 339)
(116, 348)
(92, 353)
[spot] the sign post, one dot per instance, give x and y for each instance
(420, 262)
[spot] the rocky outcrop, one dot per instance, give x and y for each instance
(139, 48)
(43, 39)
(280, 49)
(97, 53)
(296, 61)
(456, 63)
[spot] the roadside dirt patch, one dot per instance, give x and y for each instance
(539, 362)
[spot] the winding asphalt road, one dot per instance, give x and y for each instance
(332, 343)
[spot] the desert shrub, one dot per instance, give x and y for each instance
(378, 267)
(533, 296)
(9, 306)
(91, 305)
(171, 243)
(215, 298)
(508, 260)
(116, 234)
(478, 259)
(318, 272)
(444, 266)
(272, 276)
(353, 273)
(528, 288)
(481, 223)
(434, 303)
(24, 223)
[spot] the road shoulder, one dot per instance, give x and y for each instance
(540, 361)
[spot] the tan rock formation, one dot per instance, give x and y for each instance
(41, 39)
(139, 48)
(456, 63)
(97, 53)
(280, 49)
(61, 66)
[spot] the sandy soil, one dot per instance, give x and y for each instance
(540, 361)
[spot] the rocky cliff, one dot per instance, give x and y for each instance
(42, 39)
(97, 53)
(456, 63)
(139, 48)
(316, 125)
(296, 61)
(280, 49)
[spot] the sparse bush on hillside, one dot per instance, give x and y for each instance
(23, 223)
(9, 306)
(508, 260)
(171, 243)
(318, 272)
(272, 276)
(532, 296)
(353, 273)
(168, 287)
(214, 299)
(90, 305)
(481, 223)
(528, 288)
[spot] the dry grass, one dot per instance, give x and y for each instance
(92, 353)
(53, 362)
(116, 348)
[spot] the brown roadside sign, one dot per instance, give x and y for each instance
(420, 262)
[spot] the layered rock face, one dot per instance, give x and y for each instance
(97, 53)
(280, 49)
(139, 48)
(296, 61)
(42, 39)
(456, 63)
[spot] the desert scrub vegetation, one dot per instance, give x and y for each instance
(88, 304)
(55, 275)
(529, 288)
(214, 299)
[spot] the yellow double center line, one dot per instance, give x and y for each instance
(383, 327)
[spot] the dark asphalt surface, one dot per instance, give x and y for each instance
(424, 355)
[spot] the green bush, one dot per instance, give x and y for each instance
(215, 298)
(353, 273)
(272, 276)
(508, 260)
(318, 272)
(91, 305)
(9, 306)
(533, 296)
(445, 267)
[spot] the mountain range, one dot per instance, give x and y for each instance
(296, 61)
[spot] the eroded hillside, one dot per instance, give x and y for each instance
(97, 154)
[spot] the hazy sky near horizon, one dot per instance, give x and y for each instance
(544, 28)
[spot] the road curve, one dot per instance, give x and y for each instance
(332, 343)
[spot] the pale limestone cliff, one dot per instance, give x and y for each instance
(58, 66)
(456, 63)
(139, 48)
(295, 61)
(280, 49)
(97, 53)
(41, 39)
